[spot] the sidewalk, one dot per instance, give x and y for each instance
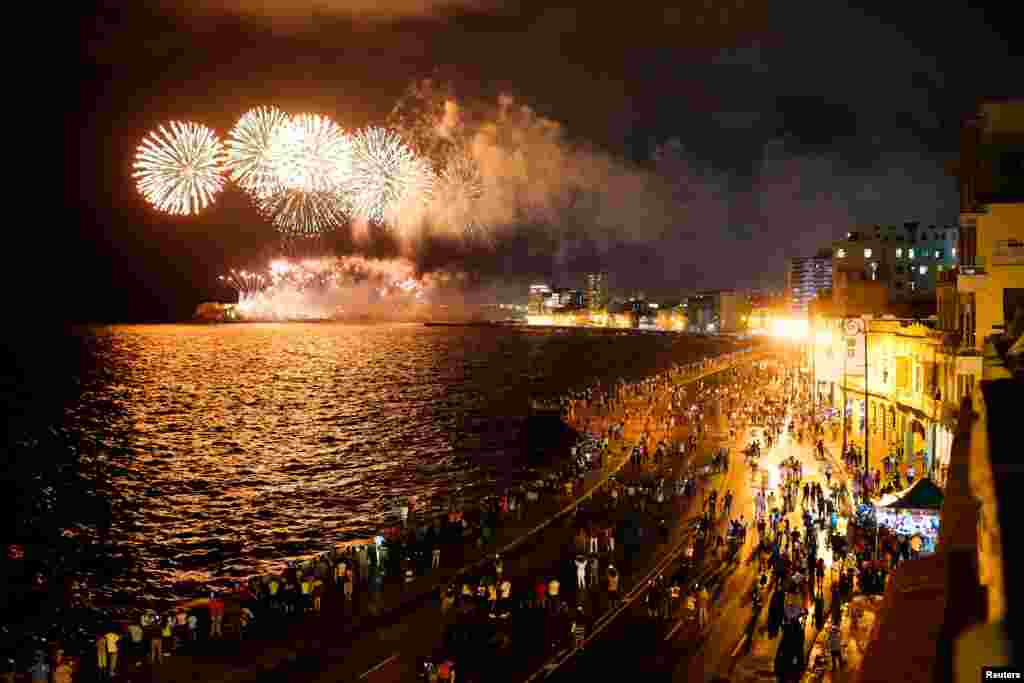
(339, 624)
(854, 641)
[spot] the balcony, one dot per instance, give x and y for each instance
(977, 267)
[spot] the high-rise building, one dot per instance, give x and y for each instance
(540, 297)
(806, 277)
(597, 291)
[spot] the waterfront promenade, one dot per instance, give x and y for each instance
(637, 646)
(362, 639)
(734, 645)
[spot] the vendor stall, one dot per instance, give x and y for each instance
(914, 512)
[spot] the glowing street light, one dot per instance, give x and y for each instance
(795, 329)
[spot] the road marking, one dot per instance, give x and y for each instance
(675, 629)
(384, 663)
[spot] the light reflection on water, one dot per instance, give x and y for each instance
(233, 447)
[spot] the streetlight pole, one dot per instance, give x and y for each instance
(812, 336)
(867, 414)
(846, 353)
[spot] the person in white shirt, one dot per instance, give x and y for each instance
(581, 572)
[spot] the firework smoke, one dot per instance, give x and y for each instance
(512, 185)
(332, 287)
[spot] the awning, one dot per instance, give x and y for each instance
(922, 495)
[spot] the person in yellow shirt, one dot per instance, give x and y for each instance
(112, 639)
(703, 604)
(168, 632)
(306, 586)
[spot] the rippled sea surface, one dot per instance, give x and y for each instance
(223, 450)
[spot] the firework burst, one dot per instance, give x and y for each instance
(250, 161)
(179, 169)
(386, 176)
(310, 153)
(294, 212)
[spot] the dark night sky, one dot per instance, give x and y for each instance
(794, 120)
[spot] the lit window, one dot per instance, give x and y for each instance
(840, 253)
(923, 270)
(867, 253)
(899, 252)
(910, 254)
(954, 252)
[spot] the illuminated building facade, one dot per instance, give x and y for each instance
(539, 298)
(596, 293)
(806, 276)
(985, 294)
(718, 312)
(564, 298)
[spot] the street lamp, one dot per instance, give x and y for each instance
(851, 328)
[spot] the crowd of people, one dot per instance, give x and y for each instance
(561, 605)
(413, 546)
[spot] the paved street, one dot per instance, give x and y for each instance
(677, 651)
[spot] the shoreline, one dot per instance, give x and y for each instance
(548, 516)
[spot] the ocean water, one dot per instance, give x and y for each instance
(204, 453)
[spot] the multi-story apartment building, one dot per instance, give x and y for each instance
(718, 312)
(873, 256)
(931, 251)
(596, 292)
(984, 294)
(806, 277)
(907, 258)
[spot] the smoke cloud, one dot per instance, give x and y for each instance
(516, 189)
(520, 197)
